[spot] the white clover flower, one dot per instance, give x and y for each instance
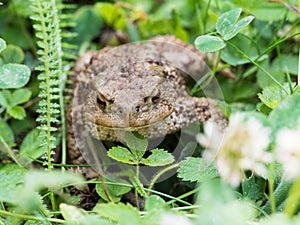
(241, 146)
(288, 151)
(174, 219)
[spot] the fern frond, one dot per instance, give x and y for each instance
(45, 15)
(50, 26)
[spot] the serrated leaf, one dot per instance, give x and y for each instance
(154, 202)
(2, 44)
(14, 75)
(238, 27)
(20, 96)
(119, 213)
(227, 20)
(12, 54)
(196, 169)
(115, 191)
(271, 96)
(287, 113)
(209, 43)
(158, 157)
(31, 146)
(136, 143)
(122, 154)
(16, 112)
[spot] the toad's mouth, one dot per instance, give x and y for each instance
(130, 125)
(128, 128)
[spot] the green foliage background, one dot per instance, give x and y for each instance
(263, 56)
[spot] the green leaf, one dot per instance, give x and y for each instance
(238, 27)
(14, 75)
(270, 11)
(84, 28)
(153, 217)
(115, 191)
(287, 113)
(77, 216)
(227, 24)
(31, 146)
(10, 185)
(285, 63)
(2, 44)
(122, 154)
(12, 54)
(119, 213)
(251, 189)
(154, 202)
(219, 197)
(208, 43)
(136, 143)
(264, 80)
(20, 96)
(5, 98)
(6, 133)
(38, 180)
(16, 112)
(227, 21)
(272, 95)
(158, 157)
(112, 14)
(196, 169)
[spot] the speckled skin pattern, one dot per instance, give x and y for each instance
(136, 88)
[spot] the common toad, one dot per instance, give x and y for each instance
(138, 87)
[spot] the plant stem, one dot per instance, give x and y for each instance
(185, 195)
(136, 193)
(27, 217)
(270, 48)
(174, 199)
(298, 83)
(271, 189)
(292, 201)
(8, 151)
(159, 174)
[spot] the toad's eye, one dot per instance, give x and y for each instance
(153, 99)
(104, 102)
(156, 98)
(101, 102)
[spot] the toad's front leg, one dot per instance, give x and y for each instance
(192, 109)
